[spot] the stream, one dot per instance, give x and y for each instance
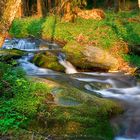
(123, 88)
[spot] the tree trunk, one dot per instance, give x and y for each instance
(139, 3)
(7, 18)
(39, 8)
(49, 5)
(2, 38)
(20, 12)
(95, 3)
(117, 5)
(124, 2)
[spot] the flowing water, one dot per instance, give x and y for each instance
(117, 86)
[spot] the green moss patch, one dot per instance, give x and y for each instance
(6, 55)
(48, 60)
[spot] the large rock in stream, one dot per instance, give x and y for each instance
(90, 57)
(82, 57)
(6, 55)
(48, 60)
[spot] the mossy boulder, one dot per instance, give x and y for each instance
(48, 60)
(6, 55)
(89, 57)
(88, 118)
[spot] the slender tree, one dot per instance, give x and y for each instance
(49, 4)
(39, 8)
(6, 19)
(117, 5)
(20, 12)
(124, 2)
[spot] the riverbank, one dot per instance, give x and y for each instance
(111, 34)
(33, 107)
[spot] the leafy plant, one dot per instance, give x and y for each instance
(19, 100)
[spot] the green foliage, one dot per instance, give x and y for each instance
(125, 25)
(19, 100)
(12, 83)
(133, 59)
(27, 27)
(11, 80)
(104, 33)
(29, 108)
(9, 118)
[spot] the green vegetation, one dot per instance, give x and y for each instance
(133, 59)
(8, 55)
(18, 99)
(48, 60)
(112, 33)
(30, 105)
(42, 108)
(126, 25)
(104, 33)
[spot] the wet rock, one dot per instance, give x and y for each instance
(90, 57)
(48, 60)
(6, 55)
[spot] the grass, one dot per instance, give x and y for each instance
(104, 33)
(133, 59)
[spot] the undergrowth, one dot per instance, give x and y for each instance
(18, 100)
(28, 105)
(105, 33)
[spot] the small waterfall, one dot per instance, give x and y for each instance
(21, 44)
(121, 138)
(32, 69)
(127, 94)
(68, 66)
(25, 45)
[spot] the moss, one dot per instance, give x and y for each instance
(48, 60)
(73, 51)
(90, 118)
(89, 57)
(35, 106)
(6, 55)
